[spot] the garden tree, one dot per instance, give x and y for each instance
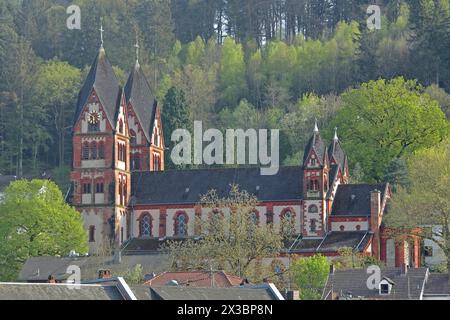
(383, 120)
(230, 236)
(232, 84)
(36, 221)
(176, 114)
(56, 89)
(134, 276)
(425, 203)
(310, 275)
(349, 259)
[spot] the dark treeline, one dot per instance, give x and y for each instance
(253, 63)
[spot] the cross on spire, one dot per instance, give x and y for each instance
(335, 134)
(101, 32)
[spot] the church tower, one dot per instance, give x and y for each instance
(144, 118)
(316, 167)
(101, 179)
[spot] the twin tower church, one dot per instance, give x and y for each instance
(123, 193)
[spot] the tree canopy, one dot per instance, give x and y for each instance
(36, 221)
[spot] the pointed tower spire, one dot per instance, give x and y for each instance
(101, 33)
(316, 128)
(137, 49)
(335, 134)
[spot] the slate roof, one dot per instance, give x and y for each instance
(335, 150)
(101, 77)
(169, 187)
(37, 269)
(138, 93)
(189, 293)
(438, 284)
(7, 179)
(354, 281)
(198, 279)
(333, 241)
(47, 291)
(354, 199)
(315, 143)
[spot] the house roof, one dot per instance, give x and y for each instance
(333, 241)
(138, 93)
(38, 269)
(437, 284)
(198, 279)
(354, 282)
(263, 292)
(186, 186)
(7, 179)
(335, 150)
(52, 291)
(354, 199)
(102, 79)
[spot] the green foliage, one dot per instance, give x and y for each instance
(134, 276)
(175, 115)
(383, 120)
(310, 275)
(426, 201)
(35, 221)
(348, 259)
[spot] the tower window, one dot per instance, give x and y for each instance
(91, 233)
(121, 126)
(94, 153)
(86, 188)
(133, 140)
(312, 226)
(99, 188)
(101, 150)
(85, 151)
(313, 209)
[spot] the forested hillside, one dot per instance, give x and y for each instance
(253, 63)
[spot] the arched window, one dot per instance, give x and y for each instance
(85, 151)
(145, 225)
(342, 227)
(312, 226)
(358, 227)
(181, 221)
(133, 137)
(121, 126)
(287, 218)
(94, 153)
(313, 209)
(101, 150)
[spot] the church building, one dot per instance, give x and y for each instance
(122, 191)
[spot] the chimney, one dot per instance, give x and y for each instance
(293, 295)
(51, 279)
(332, 268)
(104, 274)
(375, 205)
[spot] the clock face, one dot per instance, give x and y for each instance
(94, 117)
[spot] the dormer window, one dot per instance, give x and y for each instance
(385, 286)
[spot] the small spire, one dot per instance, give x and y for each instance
(335, 134)
(137, 49)
(101, 33)
(316, 128)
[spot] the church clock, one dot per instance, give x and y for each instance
(94, 118)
